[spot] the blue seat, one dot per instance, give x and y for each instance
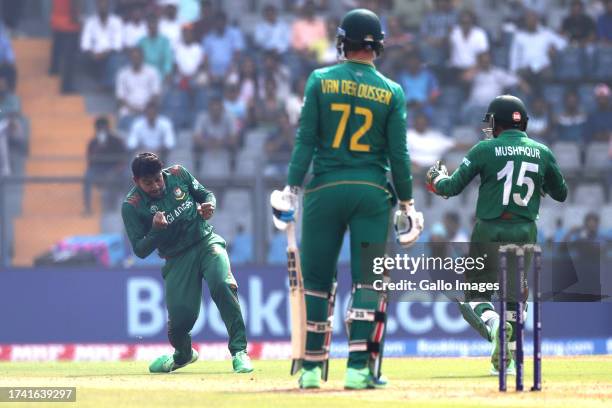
(432, 56)
(501, 57)
(176, 105)
(573, 133)
(570, 64)
(587, 97)
(451, 97)
(554, 96)
(602, 64)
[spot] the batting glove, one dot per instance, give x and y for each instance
(408, 224)
(284, 206)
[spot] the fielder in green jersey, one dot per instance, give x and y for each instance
(168, 210)
(515, 173)
(353, 129)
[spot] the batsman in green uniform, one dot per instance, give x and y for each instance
(168, 210)
(515, 173)
(352, 127)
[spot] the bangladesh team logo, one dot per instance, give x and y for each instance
(179, 194)
(154, 209)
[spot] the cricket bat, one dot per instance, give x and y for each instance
(297, 301)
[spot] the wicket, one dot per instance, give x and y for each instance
(522, 267)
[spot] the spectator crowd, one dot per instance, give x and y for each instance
(235, 84)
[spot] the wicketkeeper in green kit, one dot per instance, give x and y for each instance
(515, 172)
(352, 127)
(168, 210)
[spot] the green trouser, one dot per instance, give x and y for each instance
(183, 276)
(329, 209)
(485, 240)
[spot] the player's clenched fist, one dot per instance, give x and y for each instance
(206, 210)
(159, 220)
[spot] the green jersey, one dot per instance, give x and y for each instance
(179, 202)
(352, 125)
(514, 170)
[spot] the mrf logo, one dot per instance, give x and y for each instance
(516, 116)
(179, 194)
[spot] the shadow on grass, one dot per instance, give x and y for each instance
(145, 374)
(462, 377)
(295, 390)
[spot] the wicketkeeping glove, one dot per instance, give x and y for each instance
(436, 173)
(408, 223)
(284, 206)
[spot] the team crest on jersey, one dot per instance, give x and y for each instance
(154, 209)
(516, 116)
(179, 194)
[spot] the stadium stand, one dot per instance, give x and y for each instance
(258, 82)
(60, 127)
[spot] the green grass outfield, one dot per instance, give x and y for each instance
(418, 382)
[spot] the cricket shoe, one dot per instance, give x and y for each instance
(496, 347)
(241, 362)
(361, 379)
(166, 364)
(310, 378)
(510, 370)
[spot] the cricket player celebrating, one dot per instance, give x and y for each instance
(168, 210)
(352, 126)
(515, 172)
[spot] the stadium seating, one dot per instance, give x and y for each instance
(247, 163)
(61, 128)
(553, 93)
(589, 195)
(602, 66)
(467, 134)
(573, 215)
(587, 97)
(597, 160)
(216, 163)
(568, 156)
(570, 64)
(605, 215)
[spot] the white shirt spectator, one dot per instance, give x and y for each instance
(464, 50)
(133, 32)
(188, 58)
(489, 84)
(5, 165)
(137, 88)
(275, 37)
(530, 49)
(427, 147)
(542, 7)
(155, 138)
(293, 107)
(171, 29)
(98, 37)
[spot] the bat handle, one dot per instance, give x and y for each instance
(291, 240)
